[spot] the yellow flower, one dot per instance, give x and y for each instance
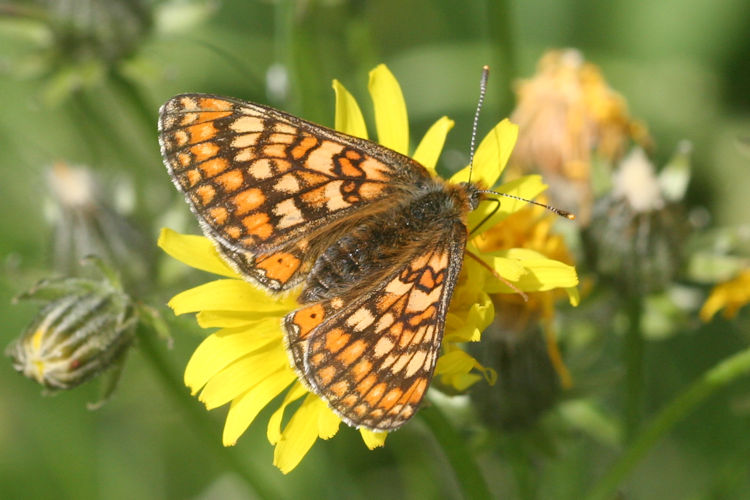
(531, 228)
(567, 113)
(245, 364)
(730, 296)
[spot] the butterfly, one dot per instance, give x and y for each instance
(374, 242)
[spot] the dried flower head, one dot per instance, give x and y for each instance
(568, 116)
(86, 222)
(636, 237)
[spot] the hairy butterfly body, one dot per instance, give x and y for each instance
(372, 239)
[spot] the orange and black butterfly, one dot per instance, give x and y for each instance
(374, 242)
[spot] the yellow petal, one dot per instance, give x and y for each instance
(508, 267)
(349, 118)
(224, 347)
(373, 439)
(491, 156)
(328, 422)
(228, 319)
(244, 374)
(391, 120)
(454, 362)
(711, 306)
(541, 273)
(246, 407)
(462, 381)
(429, 148)
(195, 251)
(528, 187)
(273, 431)
(468, 325)
(227, 295)
(731, 295)
(299, 435)
(455, 369)
(574, 297)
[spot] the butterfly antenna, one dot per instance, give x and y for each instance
(554, 210)
(482, 91)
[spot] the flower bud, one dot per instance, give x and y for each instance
(84, 327)
(89, 218)
(527, 382)
(636, 236)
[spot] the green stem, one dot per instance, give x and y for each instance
(717, 377)
(93, 131)
(134, 98)
(204, 426)
(284, 45)
(634, 346)
(296, 46)
(253, 79)
(523, 470)
(467, 472)
(500, 27)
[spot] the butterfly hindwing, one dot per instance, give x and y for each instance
(275, 271)
(371, 357)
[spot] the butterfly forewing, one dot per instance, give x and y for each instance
(259, 179)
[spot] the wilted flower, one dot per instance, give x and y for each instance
(636, 237)
(568, 118)
(84, 327)
(74, 43)
(87, 221)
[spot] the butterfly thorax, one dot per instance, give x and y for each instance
(426, 213)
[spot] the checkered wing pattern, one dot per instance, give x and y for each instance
(268, 187)
(371, 357)
(374, 241)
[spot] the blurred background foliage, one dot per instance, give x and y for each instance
(81, 82)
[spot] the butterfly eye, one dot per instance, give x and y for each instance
(475, 196)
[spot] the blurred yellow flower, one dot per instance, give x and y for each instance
(730, 296)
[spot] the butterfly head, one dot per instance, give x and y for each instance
(473, 194)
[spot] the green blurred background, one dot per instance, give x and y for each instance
(682, 66)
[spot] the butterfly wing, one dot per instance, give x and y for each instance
(268, 187)
(371, 356)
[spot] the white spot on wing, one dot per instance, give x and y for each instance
(289, 213)
(398, 287)
(245, 140)
(361, 319)
(247, 124)
(288, 183)
(261, 169)
(415, 363)
(383, 347)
